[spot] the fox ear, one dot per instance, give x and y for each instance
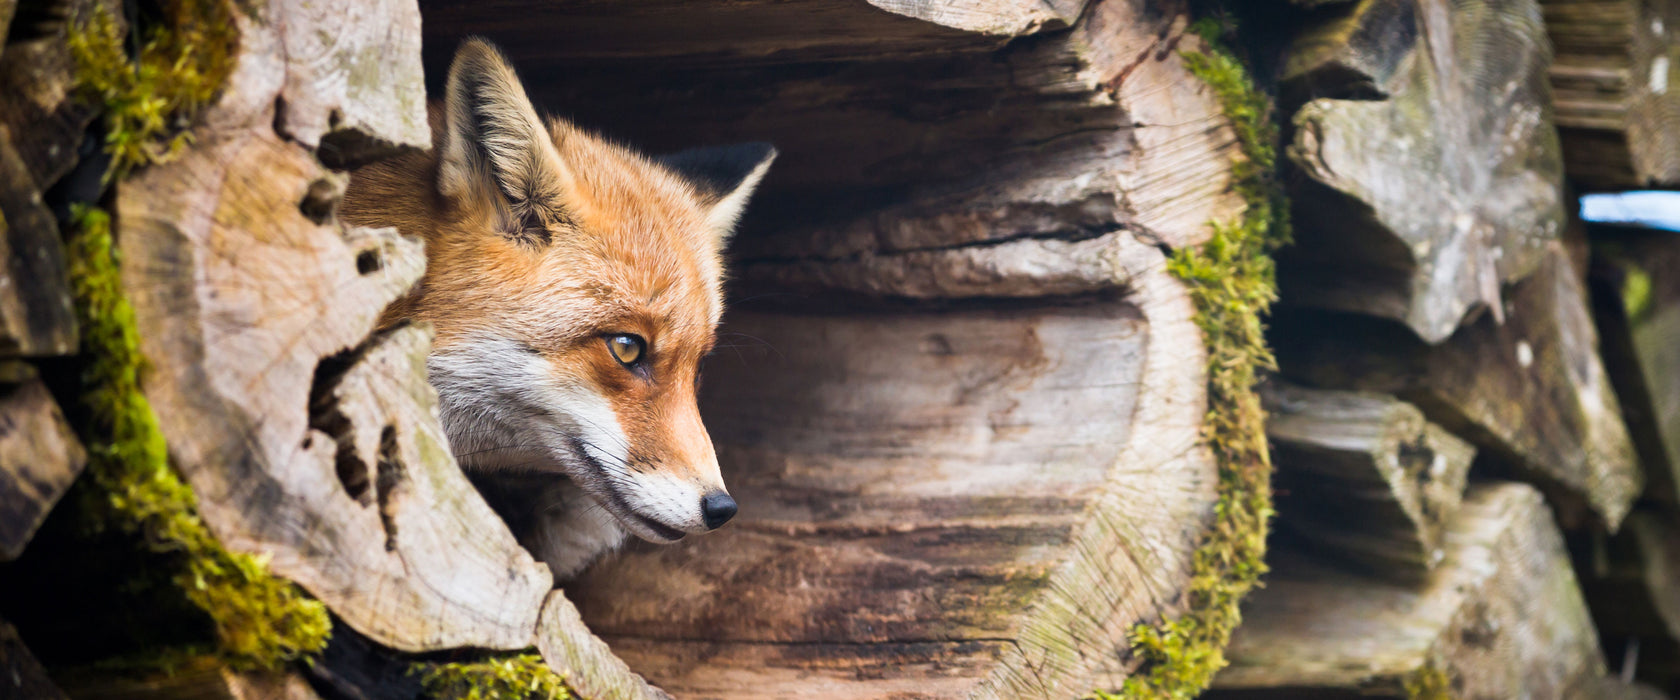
(726, 177)
(494, 143)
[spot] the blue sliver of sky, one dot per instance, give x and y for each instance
(1652, 209)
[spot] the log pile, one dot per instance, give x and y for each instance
(971, 392)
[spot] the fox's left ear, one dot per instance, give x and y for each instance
(726, 177)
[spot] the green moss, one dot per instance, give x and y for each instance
(149, 102)
(516, 677)
(260, 621)
(1636, 293)
(1430, 682)
(1231, 280)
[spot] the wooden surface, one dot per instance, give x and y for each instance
(919, 517)
(1502, 612)
(35, 314)
(1488, 168)
(1365, 478)
(355, 91)
(39, 458)
(1636, 302)
(896, 134)
(1617, 92)
(1531, 393)
(306, 442)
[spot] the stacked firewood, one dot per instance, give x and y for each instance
(1474, 455)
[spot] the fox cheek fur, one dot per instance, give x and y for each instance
(574, 287)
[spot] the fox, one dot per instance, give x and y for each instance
(573, 286)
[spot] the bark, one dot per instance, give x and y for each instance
(1617, 98)
(1486, 164)
(39, 458)
(1501, 612)
(255, 307)
(1531, 393)
(1365, 478)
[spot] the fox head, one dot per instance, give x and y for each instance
(574, 287)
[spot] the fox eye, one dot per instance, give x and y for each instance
(627, 349)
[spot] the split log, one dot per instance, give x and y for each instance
(39, 458)
(21, 676)
(37, 88)
(305, 444)
(1364, 477)
(36, 318)
(1617, 96)
(1502, 612)
(1531, 393)
(1635, 280)
(1465, 128)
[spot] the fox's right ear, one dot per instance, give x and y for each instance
(494, 143)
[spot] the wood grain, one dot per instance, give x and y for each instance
(1487, 167)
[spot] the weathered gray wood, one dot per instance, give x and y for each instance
(21, 676)
(306, 443)
(1502, 617)
(1360, 52)
(354, 91)
(39, 458)
(1364, 477)
(1617, 95)
(1531, 393)
(35, 314)
(1466, 130)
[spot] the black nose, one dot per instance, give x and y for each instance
(718, 508)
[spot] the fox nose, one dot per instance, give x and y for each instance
(718, 508)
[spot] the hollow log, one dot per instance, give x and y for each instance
(1501, 612)
(1487, 164)
(1617, 99)
(1531, 393)
(39, 457)
(254, 308)
(1635, 282)
(989, 193)
(1364, 477)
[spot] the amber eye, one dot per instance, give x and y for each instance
(627, 349)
